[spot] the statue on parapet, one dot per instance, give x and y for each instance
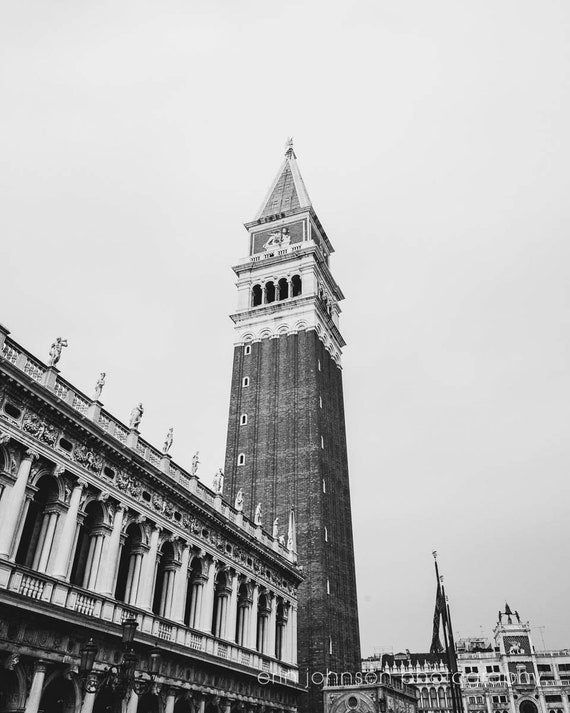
(136, 416)
(276, 528)
(168, 441)
(195, 463)
(218, 482)
(257, 518)
(99, 386)
(239, 501)
(55, 351)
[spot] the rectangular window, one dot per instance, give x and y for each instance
(324, 486)
(320, 365)
(321, 401)
(326, 535)
(243, 419)
(322, 442)
(328, 587)
(245, 381)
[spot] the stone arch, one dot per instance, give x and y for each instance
(264, 333)
(44, 472)
(150, 703)
(12, 689)
(36, 540)
(89, 546)
(283, 329)
(164, 585)
(356, 701)
(60, 694)
(527, 705)
(130, 562)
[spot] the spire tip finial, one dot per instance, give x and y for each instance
(289, 152)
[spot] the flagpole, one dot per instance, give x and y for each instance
(456, 684)
(454, 702)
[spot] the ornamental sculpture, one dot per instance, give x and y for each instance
(99, 386)
(276, 528)
(55, 351)
(136, 416)
(239, 501)
(218, 482)
(257, 517)
(195, 463)
(168, 441)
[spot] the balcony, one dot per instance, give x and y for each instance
(20, 582)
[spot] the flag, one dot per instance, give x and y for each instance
(438, 614)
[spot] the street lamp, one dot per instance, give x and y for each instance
(122, 676)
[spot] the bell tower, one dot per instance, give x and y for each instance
(286, 443)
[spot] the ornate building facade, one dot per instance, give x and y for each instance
(508, 676)
(101, 534)
(286, 446)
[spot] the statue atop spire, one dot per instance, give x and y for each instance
(289, 152)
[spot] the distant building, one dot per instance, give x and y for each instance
(508, 676)
(101, 534)
(382, 696)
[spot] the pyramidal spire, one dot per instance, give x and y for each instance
(287, 192)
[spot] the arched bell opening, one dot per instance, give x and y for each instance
(269, 292)
(296, 285)
(283, 288)
(256, 296)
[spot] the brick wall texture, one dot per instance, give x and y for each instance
(295, 399)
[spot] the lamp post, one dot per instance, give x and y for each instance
(121, 677)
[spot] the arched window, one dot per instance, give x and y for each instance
(164, 588)
(283, 288)
(243, 419)
(256, 296)
(196, 580)
(87, 559)
(130, 566)
(433, 697)
(59, 696)
(247, 349)
(36, 542)
(441, 696)
(241, 459)
(270, 292)
(296, 285)
(424, 698)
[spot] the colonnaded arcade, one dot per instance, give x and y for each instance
(100, 533)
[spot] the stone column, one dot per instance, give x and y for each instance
(181, 586)
(134, 576)
(170, 700)
(88, 702)
(34, 698)
(111, 556)
(292, 634)
(93, 561)
(196, 602)
(12, 504)
(148, 572)
(252, 638)
(231, 615)
(67, 537)
(271, 626)
(133, 703)
(207, 608)
(45, 545)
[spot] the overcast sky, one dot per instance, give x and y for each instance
(137, 137)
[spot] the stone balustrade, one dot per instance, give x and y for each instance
(49, 590)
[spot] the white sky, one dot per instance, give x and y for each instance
(137, 137)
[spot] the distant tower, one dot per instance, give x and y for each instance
(286, 433)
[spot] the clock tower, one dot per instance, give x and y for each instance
(286, 443)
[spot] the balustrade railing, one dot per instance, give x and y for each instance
(62, 595)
